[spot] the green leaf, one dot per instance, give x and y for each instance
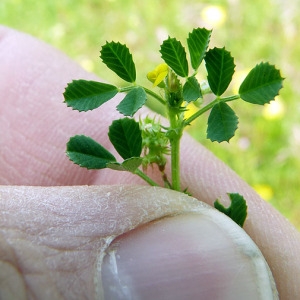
(118, 58)
(126, 136)
(86, 152)
(130, 164)
(174, 55)
(222, 123)
(84, 95)
(191, 89)
(237, 210)
(132, 102)
(220, 68)
(261, 85)
(198, 41)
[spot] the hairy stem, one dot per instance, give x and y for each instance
(149, 92)
(154, 95)
(208, 107)
(175, 163)
(175, 136)
(145, 177)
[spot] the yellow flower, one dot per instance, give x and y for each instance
(158, 75)
(264, 190)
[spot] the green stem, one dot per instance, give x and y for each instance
(175, 163)
(208, 107)
(127, 88)
(149, 92)
(154, 95)
(175, 136)
(200, 112)
(145, 177)
(230, 98)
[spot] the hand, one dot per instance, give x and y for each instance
(51, 237)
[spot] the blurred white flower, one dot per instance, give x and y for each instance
(274, 110)
(86, 63)
(214, 15)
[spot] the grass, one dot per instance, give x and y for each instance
(265, 151)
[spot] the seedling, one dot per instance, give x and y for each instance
(175, 85)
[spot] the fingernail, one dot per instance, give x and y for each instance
(188, 256)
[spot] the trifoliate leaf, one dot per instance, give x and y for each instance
(198, 41)
(173, 53)
(132, 102)
(237, 210)
(191, 89)
(118, 58)
(126, 136)
(130, 164)
(84, 95)
(222, 123)
(220, 68)
(261, 85)
(87, 153)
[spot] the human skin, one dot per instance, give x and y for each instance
(35, 126)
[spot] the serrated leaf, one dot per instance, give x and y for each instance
(237, 210)
(191, 89)
(261, 85)
(220, 69)
(84, 95)
(130, 164)
(198, 41)
(222, 123)
(174, 55)
(126, 136)
(118, 58)
(86, 152)
(132, 102)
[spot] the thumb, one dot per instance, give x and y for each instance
(123, 242)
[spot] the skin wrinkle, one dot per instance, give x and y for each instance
(8, 253)
(18, 289)
(51, 266)
(18, 265)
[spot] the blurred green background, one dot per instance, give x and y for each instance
(265, 150)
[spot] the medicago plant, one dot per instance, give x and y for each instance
(146, 142)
